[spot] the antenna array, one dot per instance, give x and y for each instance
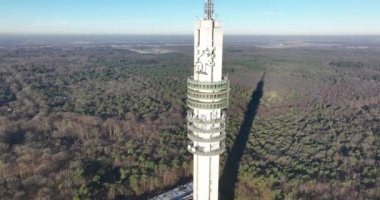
(209, 9)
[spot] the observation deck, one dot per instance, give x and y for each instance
(218, 138)
(197, 85)
(200, 151)
(208, 95)
(211, 134)
(212, 130)
(194, 119)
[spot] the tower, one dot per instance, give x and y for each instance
(207, 97)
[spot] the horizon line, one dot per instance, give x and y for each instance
(158, 34)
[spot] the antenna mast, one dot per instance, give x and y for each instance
(209, 9)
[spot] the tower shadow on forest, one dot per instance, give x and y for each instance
(230, 171)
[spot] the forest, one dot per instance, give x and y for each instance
(97, 121)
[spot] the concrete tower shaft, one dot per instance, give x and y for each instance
(208, 92)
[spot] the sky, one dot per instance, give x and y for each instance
(177, 17)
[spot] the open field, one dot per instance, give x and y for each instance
(83, 119)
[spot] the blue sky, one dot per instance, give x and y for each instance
(256, 17)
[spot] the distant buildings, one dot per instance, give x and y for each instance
(183, 192)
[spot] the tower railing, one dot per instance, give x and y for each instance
(195, 119)
(207, 95)
(218, 138)
(201, 151)
(207, 105)
(198, 85)
(193, 128)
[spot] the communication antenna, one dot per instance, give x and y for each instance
(209, 9)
